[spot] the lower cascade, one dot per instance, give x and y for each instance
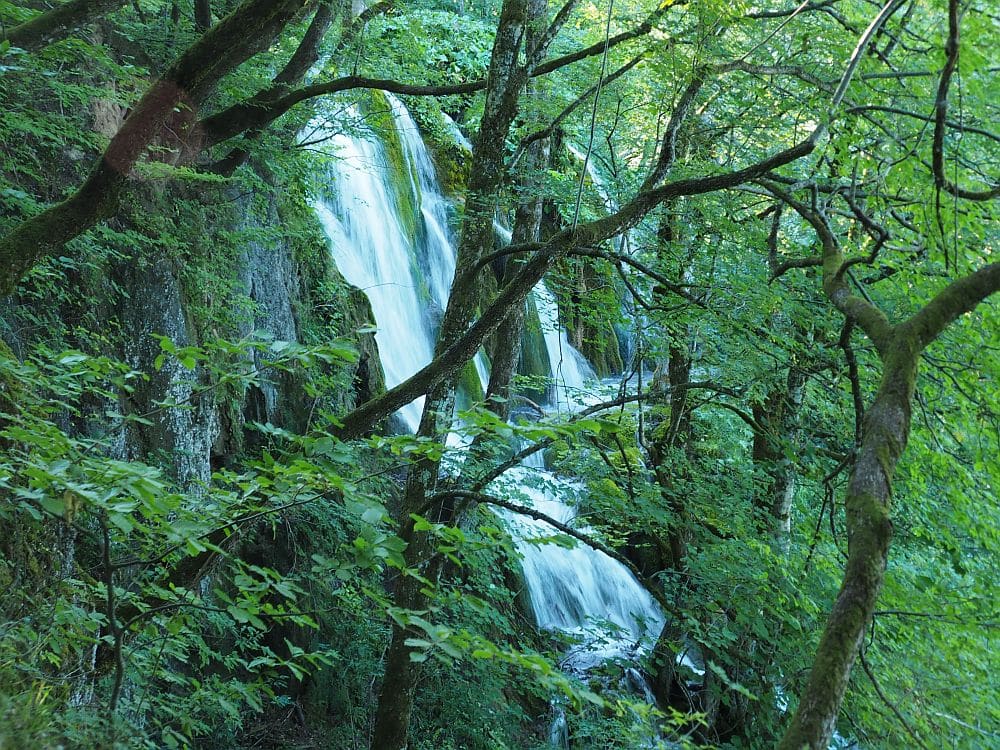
(400, 261)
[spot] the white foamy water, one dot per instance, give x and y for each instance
(574, 589)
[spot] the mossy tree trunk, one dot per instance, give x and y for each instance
(869, 491)
(507, 80)
(869, 531)
(170, 104)
(527, 228)
(47, 27)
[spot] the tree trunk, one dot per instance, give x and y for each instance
(202, 14)
(869, 530)
(56, 23)
(172, 101)
(777, 417)
(507, 81)
(527, 228)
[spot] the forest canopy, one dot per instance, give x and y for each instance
(705, 304)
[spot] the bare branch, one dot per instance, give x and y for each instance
(590, 541)
(941, 115)
(892, 706)
(570, 108)
(962, 127)
(869, 317)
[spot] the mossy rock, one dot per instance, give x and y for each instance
(599, 344)
(471, 389)
(452, 159)
(534, 360)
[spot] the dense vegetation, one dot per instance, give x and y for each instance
(779, 221)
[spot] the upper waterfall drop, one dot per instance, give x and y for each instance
(392, 241)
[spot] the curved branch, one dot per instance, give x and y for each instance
(924, 118)
(273, 103)
(863, 312)
(465, 346)
(524, 510)
(569, 109)
(481, 482)
(958, 298)
(52, 25)
(304, 57)
(171, 100)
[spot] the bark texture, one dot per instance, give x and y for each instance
(869, 492)
(507, 79)
(172, 101)
(58, 22)
(869, 531)
(777, 419)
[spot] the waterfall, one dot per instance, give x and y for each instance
(576, 589)
(568, 368)
(406, 275)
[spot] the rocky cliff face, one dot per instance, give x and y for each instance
(242, 267)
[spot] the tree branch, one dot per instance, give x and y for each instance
(47, 27)
(958, 298)
(524, 510)
(465, 346)
(304, 57)
(273, 103)
(868, 316)
(171, 100)
(951, 48)
(569, 109)
(892, 706)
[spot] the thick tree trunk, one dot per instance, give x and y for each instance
(507, 81)
(527, 228)
(869, 530)
(395, 700)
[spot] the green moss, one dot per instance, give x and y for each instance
(600, 347)
(534, 361)
(452, 160)
(470, 387)
(403, 181)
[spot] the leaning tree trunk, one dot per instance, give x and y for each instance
(169, 105)
(869, 530)
(507, 80)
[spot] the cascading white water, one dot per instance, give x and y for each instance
(576, 590)
(569, 369)
(406, 275)
(595, 177)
